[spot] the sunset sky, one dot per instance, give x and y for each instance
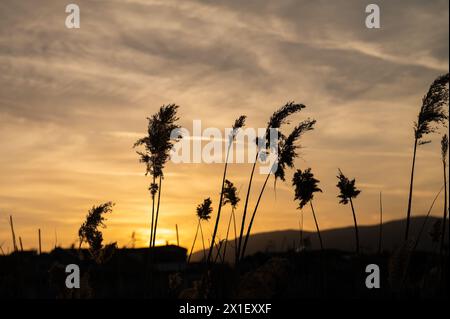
(73, 102)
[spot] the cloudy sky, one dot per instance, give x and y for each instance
(73, 101)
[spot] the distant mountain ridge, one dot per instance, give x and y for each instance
(340, 238)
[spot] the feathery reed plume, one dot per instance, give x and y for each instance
(229, 197)
(431, 113)
(238, 124)
(281, 116)
(203, 212)
(89, 231)
(347, 192)
(13, 234)
(157, 145)
(444, 151)
(286, 154)
(288, 148)
(305, 186)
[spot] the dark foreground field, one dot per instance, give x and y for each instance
(305, 275)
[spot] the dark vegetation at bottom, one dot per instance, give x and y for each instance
(300, 275)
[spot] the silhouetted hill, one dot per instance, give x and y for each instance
(340, 238)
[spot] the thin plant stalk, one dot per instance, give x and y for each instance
(422, 228)
(444, 149)
(218, 247)
(218, 254)
(244, 215)
(317, 225)
(253, 216)
(216, 225)
(356, 227)
(226, 236)
(157, 210)
(203, 242)
(419, 236)
(235, 233)
(195, 239)
(153, 217)
(238, 124)
(380, 234)
(56, 239)
(40, 243)
(411, 182)
(11, 223)
(444, 226)
(300, 225)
